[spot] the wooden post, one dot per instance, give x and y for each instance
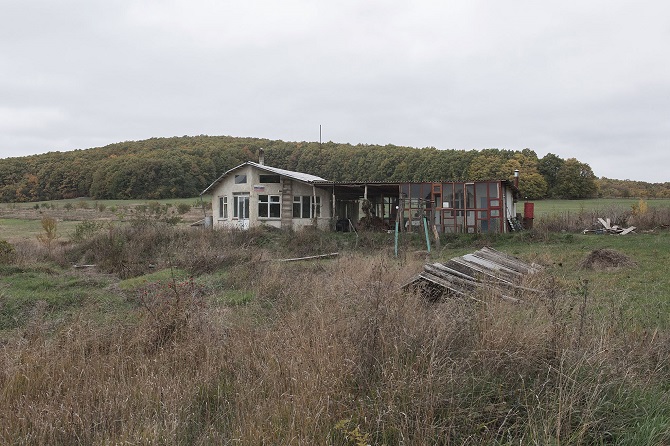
(425, 230)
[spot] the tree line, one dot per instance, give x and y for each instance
(182, 167)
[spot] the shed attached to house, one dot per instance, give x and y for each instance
(449, 206)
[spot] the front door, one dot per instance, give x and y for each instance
(241, 211)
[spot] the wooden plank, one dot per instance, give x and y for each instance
(519, 270)
(454, 272)
(322, 256)
(457, 281)
(526, 267)
(512, 265)
(627, 230)
(604, 223)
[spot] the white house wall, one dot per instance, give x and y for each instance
(510, 205)
(253, 187)
(323, 222)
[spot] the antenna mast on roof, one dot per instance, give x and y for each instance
(319, 135)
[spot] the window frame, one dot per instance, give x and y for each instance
(223, 207)
(266, 204)
(269, 178)
(306, 206)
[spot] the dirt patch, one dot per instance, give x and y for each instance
(605, 258)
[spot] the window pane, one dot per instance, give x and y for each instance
(458, 196)
(274, 198)
(296, 209)
(240, 179)
(275, 210)
(415, 191)
(305, 206)
(236, 206)
(269, 178)
(493, 190)
(262, 209)
(316, 208)
(480, 190)
(220, 207)
(470, 196)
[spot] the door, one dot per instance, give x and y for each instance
(241, 211)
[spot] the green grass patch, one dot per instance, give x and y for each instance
(639, 293)
(22, 289)
(235, 297)
(163, 275)
(14, 228)
(548, 207)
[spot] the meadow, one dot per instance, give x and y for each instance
(167, 334)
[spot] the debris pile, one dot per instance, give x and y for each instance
(605, 258)
(461, 276)
(609, 228)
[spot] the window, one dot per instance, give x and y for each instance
(223, 207)
(269, 178)
(306, 206)
(269, 206)
(240, 179)
(316, 207)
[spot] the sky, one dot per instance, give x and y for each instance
(579, 79)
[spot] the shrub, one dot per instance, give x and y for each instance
(169, 308)
(86, 229)
(183, 208)
(50, 234)
(7, 252)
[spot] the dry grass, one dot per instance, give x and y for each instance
(332, 352)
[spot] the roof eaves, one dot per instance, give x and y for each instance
(299, 176)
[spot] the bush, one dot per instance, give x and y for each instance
(169, 308)
(7, 252)
(86, 229)
(183, 208)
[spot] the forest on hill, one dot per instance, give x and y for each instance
(180, 167)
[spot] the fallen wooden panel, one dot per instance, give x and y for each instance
(462, 276)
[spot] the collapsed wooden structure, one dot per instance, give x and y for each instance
(609, 228)
(464, 276)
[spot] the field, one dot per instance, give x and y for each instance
(549, 207)
(167, 334)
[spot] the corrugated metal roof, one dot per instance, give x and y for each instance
(299, 176)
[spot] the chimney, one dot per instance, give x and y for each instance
(516, 178)
(261, 156)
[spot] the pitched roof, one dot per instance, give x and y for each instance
(299, 176)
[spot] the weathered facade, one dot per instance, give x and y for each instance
(253, 194)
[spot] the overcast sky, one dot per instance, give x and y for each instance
(585, 79)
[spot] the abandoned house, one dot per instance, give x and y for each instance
(254, 194)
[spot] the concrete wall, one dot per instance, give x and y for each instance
(253, 188)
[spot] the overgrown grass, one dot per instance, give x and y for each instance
(255, 351)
